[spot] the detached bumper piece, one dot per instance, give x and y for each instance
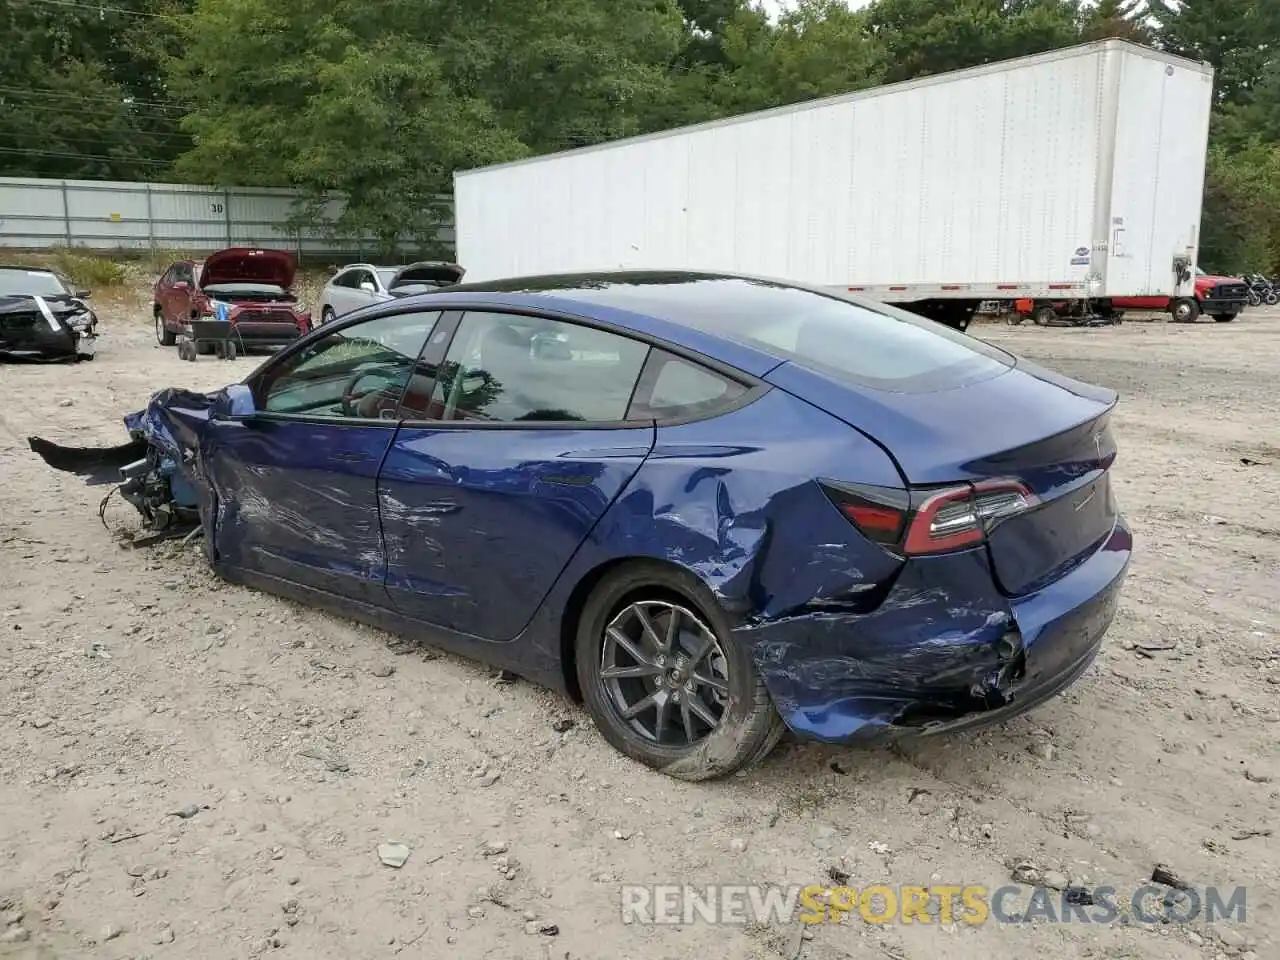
(156, 471)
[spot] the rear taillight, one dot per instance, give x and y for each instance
(927, 521)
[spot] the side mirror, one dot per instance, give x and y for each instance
(83, 294)
(368, 287)
(234, 402)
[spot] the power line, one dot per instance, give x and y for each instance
(100, 8)
(101, 141)
(125, 101)
(62, 155)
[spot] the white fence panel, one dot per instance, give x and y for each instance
(110, 215)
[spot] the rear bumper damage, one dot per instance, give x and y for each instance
(865, 677)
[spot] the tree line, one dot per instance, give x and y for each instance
(381, 100)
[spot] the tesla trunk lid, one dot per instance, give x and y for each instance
(1027, 424)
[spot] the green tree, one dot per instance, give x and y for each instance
(1119, 19)
(1240, 228)
(818, 48)
(81, 91)
(379, 101)
(923, 37)
(1239, 37)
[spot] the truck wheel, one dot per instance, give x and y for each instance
(1044, 316)
(1224, 317)
(1184, 310)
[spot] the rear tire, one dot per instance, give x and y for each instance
(1224, 317)
(1184, 310)
(327, 316)
(164, 336)
(747, 726)
(1044, 316)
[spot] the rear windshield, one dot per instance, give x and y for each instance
(884, 348)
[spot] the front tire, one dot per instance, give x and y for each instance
(1184, 310)
(666, 681)
(164, 336)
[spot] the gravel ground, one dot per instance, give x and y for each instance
(190, 769)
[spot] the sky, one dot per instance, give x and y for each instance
(774, 7)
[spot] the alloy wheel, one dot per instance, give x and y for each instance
(664, 672)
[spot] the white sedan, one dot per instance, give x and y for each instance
(359, 284)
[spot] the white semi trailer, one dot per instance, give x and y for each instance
(1070, 176)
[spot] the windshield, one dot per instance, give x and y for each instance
(30, 283)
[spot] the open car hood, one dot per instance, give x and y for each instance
(430, 272)
(249, 265)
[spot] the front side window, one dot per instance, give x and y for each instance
(358, 372)
(511, 368)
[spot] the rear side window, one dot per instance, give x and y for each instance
(672, 388)
(877, 346)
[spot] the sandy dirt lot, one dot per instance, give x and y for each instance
(190, 769)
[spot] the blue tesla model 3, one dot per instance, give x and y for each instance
(709, 507)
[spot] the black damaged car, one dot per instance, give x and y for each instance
(42, 318)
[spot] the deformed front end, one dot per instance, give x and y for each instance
(158, 471)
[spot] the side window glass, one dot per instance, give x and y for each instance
(509, 368)
(168, 278)
(674, 388)
(342, 280)
(357, 372)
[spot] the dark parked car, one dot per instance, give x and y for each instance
(711, 507)
(252, 288)
(43, 317)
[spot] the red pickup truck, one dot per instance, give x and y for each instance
(1220, 297)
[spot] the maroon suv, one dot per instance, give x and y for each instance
(250, 287)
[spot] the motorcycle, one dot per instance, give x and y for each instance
(1262, 290)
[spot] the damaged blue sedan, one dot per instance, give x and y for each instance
(710, 508)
